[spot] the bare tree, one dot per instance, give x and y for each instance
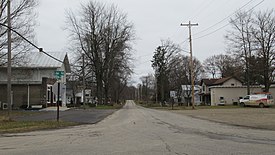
(177, 74)
(104, 35)
(198, 68)
(148, 85)
(252, 41)
(210, 66)
(264, 34)
(23, 22)
(180, 73)
(161, 59)
(120, 80)
(228, 65)
(241, 41)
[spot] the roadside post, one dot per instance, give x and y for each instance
(172, 98)
(58, 75)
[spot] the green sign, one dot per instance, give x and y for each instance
(58, 74)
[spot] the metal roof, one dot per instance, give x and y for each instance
(39, 59)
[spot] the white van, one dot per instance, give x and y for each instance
(260, 100)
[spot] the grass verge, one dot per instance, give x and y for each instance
(8, 125)
(115, 106)
(103, 107)
(26, 126)
(176, 107)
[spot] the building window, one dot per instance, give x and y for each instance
(203, 88)
(50, 96)
(54, 98)
(49, 93)
(232, 84)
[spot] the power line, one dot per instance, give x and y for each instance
(203, 5)
(215, 23)
(224, 18)
(228, 23)
(212, 32)
(40, 49)
(200, 9)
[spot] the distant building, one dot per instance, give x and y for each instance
(187, 94)
(205, 93)
(34, 82)
(226, 91)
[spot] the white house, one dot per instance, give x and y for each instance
(187, 94)
(34, 81)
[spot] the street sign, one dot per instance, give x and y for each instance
(58, 74)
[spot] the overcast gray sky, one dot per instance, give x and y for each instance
(154, 20)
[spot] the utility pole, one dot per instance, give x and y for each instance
(156, 88)
(9, 59)
(146, 89)
(141, 96)
(138, 93)
(83, 80)
(191, 60)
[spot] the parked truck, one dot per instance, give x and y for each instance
(260, 99)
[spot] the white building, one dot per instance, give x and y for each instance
(187, 94)
(34, 81)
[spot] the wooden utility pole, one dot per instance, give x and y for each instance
(141, 96)
(138, 98)
(156, 88)
(191, 61)
(83, 80)
(9, 59)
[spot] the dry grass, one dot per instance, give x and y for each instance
(8, 125)
(25, 126)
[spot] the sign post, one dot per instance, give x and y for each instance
(172, 98)
(58, 75)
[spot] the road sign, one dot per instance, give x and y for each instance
(58, 74)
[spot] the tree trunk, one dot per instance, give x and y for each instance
(99, 86)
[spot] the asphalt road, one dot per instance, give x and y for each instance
(89, 116)
(136, 130)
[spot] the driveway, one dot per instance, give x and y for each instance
(135, 130)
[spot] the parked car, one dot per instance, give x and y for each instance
(260, 100)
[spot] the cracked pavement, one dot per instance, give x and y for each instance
(137, 130)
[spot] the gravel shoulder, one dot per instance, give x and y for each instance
(247, 117)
